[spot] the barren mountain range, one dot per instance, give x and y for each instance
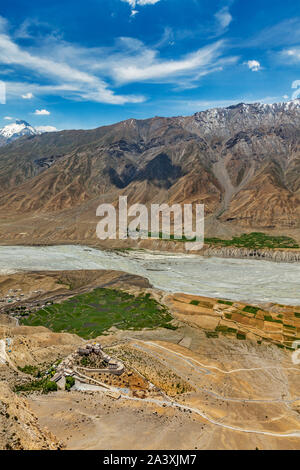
(242, 162)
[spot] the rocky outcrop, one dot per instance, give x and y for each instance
(19, 427)
(268, 255)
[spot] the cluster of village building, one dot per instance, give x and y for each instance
(13, 295)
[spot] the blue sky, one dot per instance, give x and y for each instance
(84, 64)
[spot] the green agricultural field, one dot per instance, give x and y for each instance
(89, 315)
(255, 240)
(251, 309)
(225, 302)
(252, 240)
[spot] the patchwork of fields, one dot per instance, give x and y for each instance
(278, 324)
(89, 315)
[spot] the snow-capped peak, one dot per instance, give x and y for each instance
(225, 121)
(21, 128)
(17, 129)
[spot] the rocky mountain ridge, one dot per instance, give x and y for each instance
(242, 162)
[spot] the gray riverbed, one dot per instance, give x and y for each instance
(237, 279)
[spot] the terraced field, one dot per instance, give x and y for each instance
(277, 324)
(90, 314)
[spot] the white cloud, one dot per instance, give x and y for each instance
(296, 84)
(134, 3)
(81, 84)
(147, 2)
(42, 112)
(224, 17)
(293, 53)
(285, 97)
(8, 118)
(253, 65)
(3, 24)
(128, 61)
(138, 63)
(282, 34)
(27, 96)
(46, 128)
(296, 87)
(99, 70)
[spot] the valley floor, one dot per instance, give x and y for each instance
(203, 390)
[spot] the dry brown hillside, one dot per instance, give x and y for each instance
(242, 162)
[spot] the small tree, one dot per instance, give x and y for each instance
(70, 381)
(50, 386)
